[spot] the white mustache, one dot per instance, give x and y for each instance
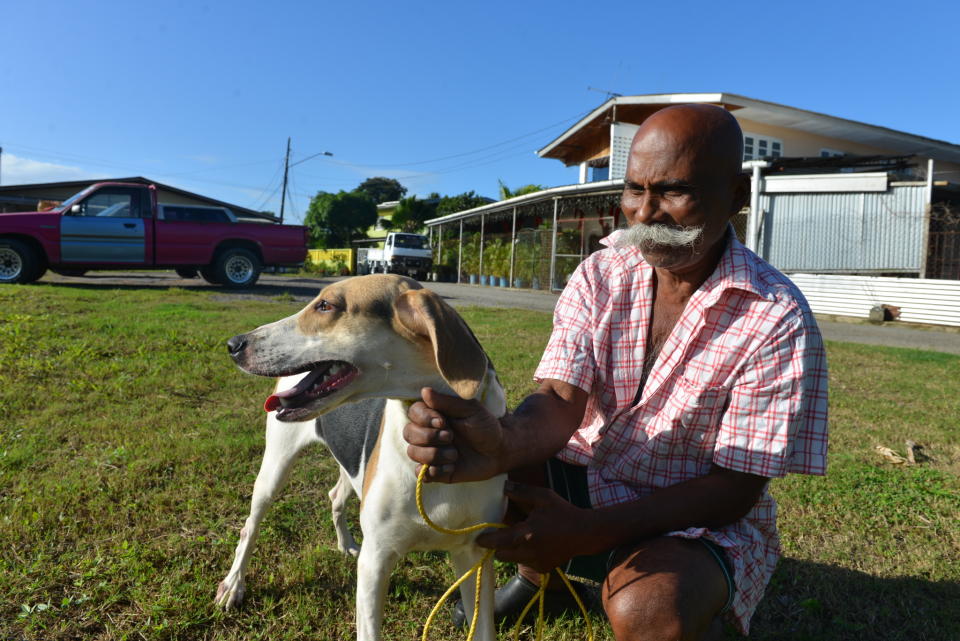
(661, 234)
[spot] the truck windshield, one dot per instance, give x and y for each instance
(411, 242)
(65, 205)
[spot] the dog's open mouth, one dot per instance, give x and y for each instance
(324, 380)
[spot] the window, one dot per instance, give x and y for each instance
(411, 242)
(831, 153)
(107, 203)
(756, 147)
(195, 214)
(599, 173)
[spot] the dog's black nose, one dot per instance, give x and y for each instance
(236, 344)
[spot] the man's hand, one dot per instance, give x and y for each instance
(552, 532)
(459, 440)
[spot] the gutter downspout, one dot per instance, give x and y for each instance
(927, 220)
(753, 219)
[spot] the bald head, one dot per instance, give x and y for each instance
(682, 185)
(705, 132)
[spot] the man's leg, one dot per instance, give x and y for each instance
(666, 588)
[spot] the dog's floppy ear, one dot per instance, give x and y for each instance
(460, 358)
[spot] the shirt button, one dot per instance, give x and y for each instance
(688, 417)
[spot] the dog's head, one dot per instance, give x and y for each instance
(364, 337)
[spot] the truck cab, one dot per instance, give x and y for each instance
(402, 253)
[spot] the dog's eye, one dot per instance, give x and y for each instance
(324, 306)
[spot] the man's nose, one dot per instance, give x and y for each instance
(236, 344)
(649, 209)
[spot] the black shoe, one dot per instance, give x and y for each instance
(510, 600)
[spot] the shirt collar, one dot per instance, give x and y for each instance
(737, 268)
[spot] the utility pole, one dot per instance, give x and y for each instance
(1, 164)
(286, 170)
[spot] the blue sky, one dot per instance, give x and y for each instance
(444, 96)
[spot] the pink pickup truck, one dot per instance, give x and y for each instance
(114, 225)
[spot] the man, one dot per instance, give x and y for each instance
(683, 373)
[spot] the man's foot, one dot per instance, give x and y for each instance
(510, 600)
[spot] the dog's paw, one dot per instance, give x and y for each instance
(350, 549)
(229, 593)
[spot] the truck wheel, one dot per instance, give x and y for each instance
(186, 272)
(237, 267)
(19, 262)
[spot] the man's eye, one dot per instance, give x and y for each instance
(324, 306)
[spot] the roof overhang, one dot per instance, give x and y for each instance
(604, 186)
(591, 134)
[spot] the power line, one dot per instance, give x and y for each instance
(493, 146)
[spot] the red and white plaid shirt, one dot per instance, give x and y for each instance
(741, 382)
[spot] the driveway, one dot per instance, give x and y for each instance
(305, 288)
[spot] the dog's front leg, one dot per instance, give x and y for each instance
(285, 441)
(463, 559)
(374, 566)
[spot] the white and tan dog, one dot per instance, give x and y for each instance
(349, 364)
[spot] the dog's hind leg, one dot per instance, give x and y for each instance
(285, 441)
(463, 559)
(338, 498)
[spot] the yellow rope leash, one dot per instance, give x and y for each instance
(478, 569)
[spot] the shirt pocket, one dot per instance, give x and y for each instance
(689, 423)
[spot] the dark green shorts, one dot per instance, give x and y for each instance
(570, 482)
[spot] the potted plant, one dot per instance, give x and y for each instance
(470, 257)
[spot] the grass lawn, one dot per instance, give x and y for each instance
(129, 444)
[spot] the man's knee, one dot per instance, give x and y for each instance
(664, 589)
(647, 613)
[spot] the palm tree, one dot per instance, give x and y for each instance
(506, 192)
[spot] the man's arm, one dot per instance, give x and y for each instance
(555, 530)
(461, 441)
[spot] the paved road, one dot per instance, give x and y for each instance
(304, 288)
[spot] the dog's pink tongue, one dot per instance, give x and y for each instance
(272, 403)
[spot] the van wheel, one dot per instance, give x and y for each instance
(237, 267)
(19, 262)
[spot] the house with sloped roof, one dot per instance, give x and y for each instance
(29, 197)
(599, 142)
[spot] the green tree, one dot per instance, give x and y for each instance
(506, 192)
(412, 212)
(335, 219)
(382, 189)
(461, 202)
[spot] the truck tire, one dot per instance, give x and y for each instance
(68, 271)
(19, 262)
(186, 272)
(208, 274)
(237, 267)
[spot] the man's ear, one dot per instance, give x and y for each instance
(741, 194)
(460, 359)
